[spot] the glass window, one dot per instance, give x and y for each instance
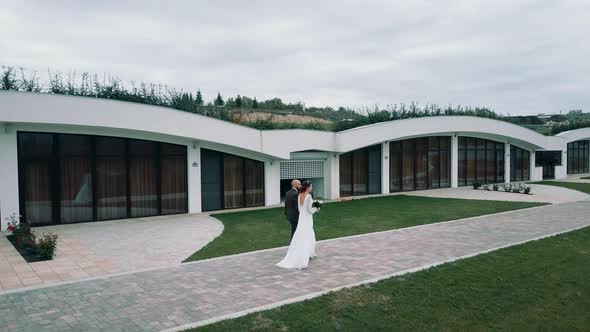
(480, 161)
(233, 181)
(346, 174)
(75, 178)
(421, 163)
(395, 166)
(143, 178)
(111, 178)
(35, 177)
(408, 165)
(254, 183)
(462, 160)
(174, 184)
(359, 172)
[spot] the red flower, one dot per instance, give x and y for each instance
(10, 228)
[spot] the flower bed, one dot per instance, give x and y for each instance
(26, 242)
(517, 188)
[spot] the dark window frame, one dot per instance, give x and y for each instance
(244, 176)
(427, 150)
(54, 169)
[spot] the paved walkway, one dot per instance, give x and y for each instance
(219, 288)
(575, 178)
(541, 193)
(109, 247)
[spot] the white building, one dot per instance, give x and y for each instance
(67, 159)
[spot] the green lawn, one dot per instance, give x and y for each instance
(538, 286)
(267, 228)
(583, 187)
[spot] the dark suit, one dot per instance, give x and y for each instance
(291, 209)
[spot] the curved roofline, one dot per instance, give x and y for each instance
(51, 109)
(576, 134)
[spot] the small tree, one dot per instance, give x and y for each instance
(238, 101)
(219, 100)
(8, 80)
(199, 98)
(254, 103)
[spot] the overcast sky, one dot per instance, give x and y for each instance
(517, 57)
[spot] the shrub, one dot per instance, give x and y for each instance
(507, 188)
(46, 246)
(527, 190)
(26, 241)
(476, 185)
(495, 187)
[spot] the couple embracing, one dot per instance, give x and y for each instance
(299, 211)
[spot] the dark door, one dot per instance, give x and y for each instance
(211, 185)
(548, 171)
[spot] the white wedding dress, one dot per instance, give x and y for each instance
(302, 247)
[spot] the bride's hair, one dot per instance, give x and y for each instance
(304, 185)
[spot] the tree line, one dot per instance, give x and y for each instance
(342, 118)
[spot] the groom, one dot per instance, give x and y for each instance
(291, 209)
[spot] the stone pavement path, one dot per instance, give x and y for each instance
(218, 288)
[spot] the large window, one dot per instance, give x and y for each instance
(419, 163)
(480, 160)
(360, 172)
(578, 157)
(229, 181)
(67, 178)
(520, 164)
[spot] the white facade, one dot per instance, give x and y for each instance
(20, 111)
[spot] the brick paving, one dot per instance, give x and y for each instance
(207, 290)
(109, 247)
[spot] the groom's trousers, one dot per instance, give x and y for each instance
(293, 227)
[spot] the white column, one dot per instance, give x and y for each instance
(561, 170)
(8, 174)
(535, 174)
(454, 161)
(506, 162)
(334, 174)
(194, 178)
(385, 168)
(272, 182)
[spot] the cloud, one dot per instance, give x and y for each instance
(517, 57)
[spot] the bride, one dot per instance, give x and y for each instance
(302, 246)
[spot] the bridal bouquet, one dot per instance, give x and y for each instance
(317, 204)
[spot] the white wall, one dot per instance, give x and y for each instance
(334, 164)
(272, 182)
(385, 168)
(8, 174)
(536, 172)
(506, 162)
(194, 178)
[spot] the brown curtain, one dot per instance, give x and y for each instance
(75, 190)
(37, 194)
(174, 185)
(345, 174)
(359, 172)
(254, 183)
(490, 162)
(111, 188)
(143, 187)
(433, 162)
(395, 157)
(421, 163)
(233, 185)
(408, 165)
